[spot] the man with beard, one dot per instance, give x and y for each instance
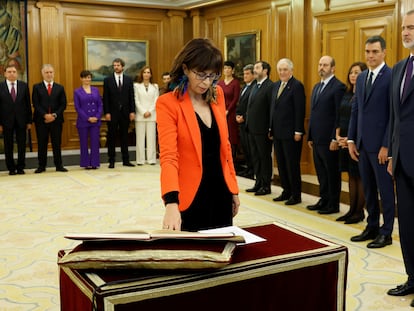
(257, 126)
(401, 152)
(325, 102)
(119, 110)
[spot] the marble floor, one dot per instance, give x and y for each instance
(38, 209)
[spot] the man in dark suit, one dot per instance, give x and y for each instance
(401, 152)
(49, 102)
(325, 102)
(257, 126)
(119, 110)
(287, 114)
(15, 118)
(241, 109)
(368, 143)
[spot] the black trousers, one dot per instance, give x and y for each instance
(43, 131)
(329, 178)
(261, 152)
(8, 136)
(244, 141)
(288, 153)
(405, 201)
(115, 126)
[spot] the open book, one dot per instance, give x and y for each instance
(155, 235)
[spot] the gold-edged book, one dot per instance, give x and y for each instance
(155, 235)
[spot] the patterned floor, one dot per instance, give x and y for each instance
(37, 210)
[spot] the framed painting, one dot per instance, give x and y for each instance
(242, 49)
(100, 52)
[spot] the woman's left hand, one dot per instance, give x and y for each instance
(236, 204)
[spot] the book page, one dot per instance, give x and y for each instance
(156, 234)
(248, 237)
(108, 236)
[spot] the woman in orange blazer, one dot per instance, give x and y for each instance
(198, 180)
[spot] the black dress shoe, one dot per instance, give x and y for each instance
(293, 201)
(12, 172)
(111, 165)
(282, 197)
(254, 189)
(342, 218)
(328, 210)
(401, 290)
(263, 191)
(317, 206)
(354, 219)
(128, 164)
(380, 241)
(367, 234)
(412, 303)
(40, 170)
(61, 169)
(20, 172)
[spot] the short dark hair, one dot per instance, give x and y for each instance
(85, 73)
(375, 39)
(229, 63)
(166, 73)
(265, 65)
(119, 60)
(10, 66)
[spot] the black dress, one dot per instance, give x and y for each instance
(346, 163)
(212, 205)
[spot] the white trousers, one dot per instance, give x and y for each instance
(145, 130)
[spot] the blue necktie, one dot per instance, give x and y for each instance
(368, 87)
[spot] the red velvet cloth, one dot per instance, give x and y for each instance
(279, 241)
(312, 287)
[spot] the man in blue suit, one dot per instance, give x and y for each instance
(257, 127)
(401, 152)
(325, 101)
(287, 114)
(368, 143)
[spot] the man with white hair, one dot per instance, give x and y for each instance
(287, 114)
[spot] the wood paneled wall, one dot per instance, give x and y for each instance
(302, 30)
(305, 30)
(56, 32)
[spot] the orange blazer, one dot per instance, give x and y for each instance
(180, 146)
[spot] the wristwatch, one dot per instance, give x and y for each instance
(54, 115)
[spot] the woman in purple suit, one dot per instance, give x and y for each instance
(88, 104)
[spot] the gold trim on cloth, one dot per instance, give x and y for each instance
(148, 259)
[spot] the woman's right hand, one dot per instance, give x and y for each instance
(172, 217)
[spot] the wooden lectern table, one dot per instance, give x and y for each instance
(291, 270)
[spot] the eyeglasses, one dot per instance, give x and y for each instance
(203, 76)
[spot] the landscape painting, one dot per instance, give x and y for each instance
(100, 52)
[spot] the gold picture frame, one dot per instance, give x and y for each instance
(100, 52)
(242, 49)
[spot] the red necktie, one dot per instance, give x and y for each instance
(13, 92)
(49, 88)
